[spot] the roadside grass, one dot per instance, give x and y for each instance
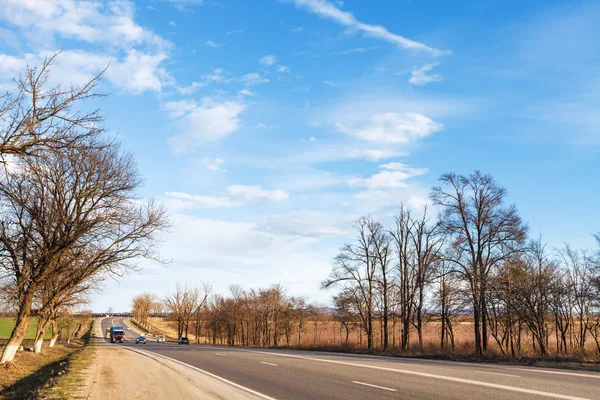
(53, 374)
(7, 324)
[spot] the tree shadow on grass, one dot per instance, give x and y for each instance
(31, 386)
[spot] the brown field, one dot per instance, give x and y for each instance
(329, 334)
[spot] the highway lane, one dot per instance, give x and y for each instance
(284, 374)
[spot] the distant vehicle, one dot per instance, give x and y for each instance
(183, 340)
(140, 339)
(128, 328)
(117, 334)
(160, 338)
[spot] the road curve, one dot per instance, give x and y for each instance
(287, 374)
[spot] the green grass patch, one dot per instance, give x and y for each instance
(7, 324)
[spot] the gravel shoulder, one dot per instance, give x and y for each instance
(117, 372)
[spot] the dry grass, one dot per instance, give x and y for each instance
(329, 335)
(46, 375)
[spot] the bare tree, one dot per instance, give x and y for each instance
(34, 118)
(356, 267)
(483, 233)
(72, 212)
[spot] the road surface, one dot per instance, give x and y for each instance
(301, 375)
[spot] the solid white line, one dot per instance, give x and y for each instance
(426, 375)
(244, 388)
(375, 386)
(545, 371)
(496, 373)
(268, 363)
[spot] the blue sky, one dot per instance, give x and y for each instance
(266, 127)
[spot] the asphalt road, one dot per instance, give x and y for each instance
(301, 375)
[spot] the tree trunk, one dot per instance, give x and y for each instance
(54, 333)
(20, 329)
(39, 335)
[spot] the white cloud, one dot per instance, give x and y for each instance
(212, 44)
(235, 32)
(246, 92)
(268, 60)
(284, 68)
(253, 79)
(328, 83)
(297, 29)
(260, 125)
(207, 122)
(328, 10)
(312, 139)
(420, 76)
(237, 195)
(214, 164)
(110, 22)
(353, 50)
(256, 194)
(177, 109)
(306, 223)
(392, 127)
(372, 154)
(394, 175)
(172, 23)
(176, 201)
(217, 76)
(139, 72)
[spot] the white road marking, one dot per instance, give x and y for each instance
(427, 375)
(375, 386)
(268, 363)
(244, 388)
(220, 354)
(496, 373)
(545, 371)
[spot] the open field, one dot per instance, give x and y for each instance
(7, 324)
(329, 335)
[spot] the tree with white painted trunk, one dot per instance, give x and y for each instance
(71, 212)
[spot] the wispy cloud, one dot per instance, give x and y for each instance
(420, 75)
(214, 164)
(354, 50)
(253, 78)
(268, 60)
(392, 127)
(212, 44)
(328, 10)
(394, 175)
(209, 121)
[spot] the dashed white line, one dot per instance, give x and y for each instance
(268, 363)
(375, 386)
(496, 373)
(425, 375)
(220, 354)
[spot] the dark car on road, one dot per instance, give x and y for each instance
(140, 339)
(183, 340)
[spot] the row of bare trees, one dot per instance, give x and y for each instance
(70, 215)
(472, 264)
(474, 260)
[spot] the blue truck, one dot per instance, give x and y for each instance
(117, 334)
